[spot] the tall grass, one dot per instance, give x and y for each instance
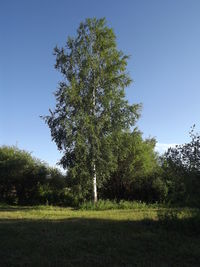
(113, 205)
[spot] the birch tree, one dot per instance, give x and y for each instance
(90, 104)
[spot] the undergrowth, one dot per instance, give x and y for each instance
(113, 205)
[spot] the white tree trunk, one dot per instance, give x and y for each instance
(95, 184)
(94, 167)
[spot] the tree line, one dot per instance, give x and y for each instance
(139, 174)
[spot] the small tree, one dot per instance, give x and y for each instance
(137, 174)
(91, 103)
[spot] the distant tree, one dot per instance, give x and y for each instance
(91, 104)
(182, 170)
(187, 156)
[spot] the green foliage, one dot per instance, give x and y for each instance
(181, 167)
(91, 104)
(137, 175)
(61, 197)
(23, 179)
(20, 175)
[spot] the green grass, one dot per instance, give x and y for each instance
(53, 236)
(113, 205)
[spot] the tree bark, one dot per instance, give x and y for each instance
(94, 166)
(95, 184)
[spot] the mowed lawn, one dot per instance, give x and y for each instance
(53, 236)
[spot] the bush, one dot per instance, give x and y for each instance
(57, 197)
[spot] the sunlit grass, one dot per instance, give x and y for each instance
(56, 213)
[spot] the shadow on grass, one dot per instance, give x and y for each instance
(98, 242)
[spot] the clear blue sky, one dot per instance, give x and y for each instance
(162, 37)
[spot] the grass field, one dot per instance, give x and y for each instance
(53, 236)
